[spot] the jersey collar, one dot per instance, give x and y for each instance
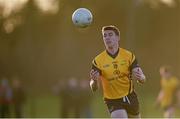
(113, 55)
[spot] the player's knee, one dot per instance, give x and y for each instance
(121, 113)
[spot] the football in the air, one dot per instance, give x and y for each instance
(82, 17)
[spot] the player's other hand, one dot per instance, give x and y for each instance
(94, 74)
(138, 75)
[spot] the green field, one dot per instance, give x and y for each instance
(49, 106)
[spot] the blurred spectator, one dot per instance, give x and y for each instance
(85, 99)
(68, 90)
(5, 98)
(73, 97)
(60, 89)
(18, 97)
(167, 95)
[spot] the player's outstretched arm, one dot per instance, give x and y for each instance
(138, 75)
(94, 76)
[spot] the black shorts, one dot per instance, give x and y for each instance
(129, 103)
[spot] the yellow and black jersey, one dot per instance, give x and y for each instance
(115, 72)
(169, 87)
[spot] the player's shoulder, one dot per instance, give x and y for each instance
(175, 78)
(100, 55)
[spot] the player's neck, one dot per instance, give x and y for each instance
(113, 53)
(167, 77)
(113, 50)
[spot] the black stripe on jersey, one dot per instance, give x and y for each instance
(94, 62)
(96, 68)
(129, 87)
(134, 65)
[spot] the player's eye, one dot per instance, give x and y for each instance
(105, 35)
(110, 34)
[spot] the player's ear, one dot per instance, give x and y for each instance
(118, 38)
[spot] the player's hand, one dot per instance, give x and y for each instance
(93, 85)
(94, 74)
(138, 75)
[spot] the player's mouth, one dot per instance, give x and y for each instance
(110, 47)
(108, 42)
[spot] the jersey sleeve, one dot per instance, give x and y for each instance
(96, 67)
(133, 62)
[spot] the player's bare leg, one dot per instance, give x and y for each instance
(121, 113)
(169, 112)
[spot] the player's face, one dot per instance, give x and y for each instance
(165, 74)
(110, 39)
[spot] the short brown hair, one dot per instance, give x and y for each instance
(111, 27)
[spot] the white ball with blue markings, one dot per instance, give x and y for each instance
(82, 17)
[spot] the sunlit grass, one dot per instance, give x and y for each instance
(49, 106)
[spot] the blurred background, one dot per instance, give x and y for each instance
(44, 52)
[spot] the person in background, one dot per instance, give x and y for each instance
(69, 92)
(85, 99)
(18, 97)
(168, 94)
(5, 98)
